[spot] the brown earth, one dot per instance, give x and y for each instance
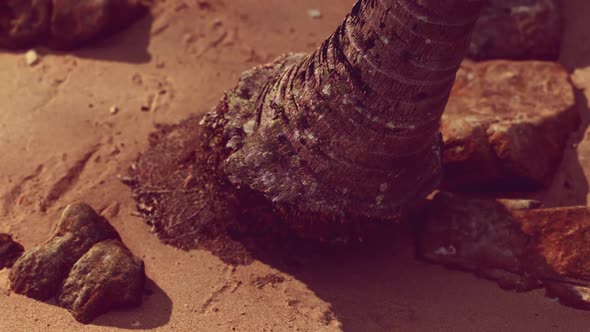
(60, 144)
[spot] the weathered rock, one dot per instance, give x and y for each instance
(513, 242)
(66, 266)
(40, 271)
(506, 125)
(23, 22)
(107, 276)
(518, 30)
(10, 251)
(76, 22)
(64, 24)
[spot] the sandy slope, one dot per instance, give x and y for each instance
(57, 135)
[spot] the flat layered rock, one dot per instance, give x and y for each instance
(10, 251)
(64, 24)
(513, 242)
(518, 30)
(66, 266)
(506, 125)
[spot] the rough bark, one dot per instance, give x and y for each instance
(328, 142)
(351, 130)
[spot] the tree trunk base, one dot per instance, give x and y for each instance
(183, 192)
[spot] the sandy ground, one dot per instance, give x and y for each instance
(56, 133)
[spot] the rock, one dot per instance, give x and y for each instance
(314, 13)
(23, 22)
(68, 259)
(501, 114)
(64, 24)
(32, 57)
(10, 251)
(41, 270)
(518, 30)
(107, 276)
(513, 242)
(76, 22)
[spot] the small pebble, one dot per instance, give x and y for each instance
(114, 110)
(314, 13)
(32, 57)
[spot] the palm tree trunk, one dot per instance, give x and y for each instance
(328, 144)
(352, 129)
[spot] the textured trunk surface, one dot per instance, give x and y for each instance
(328, 144)
(352, 129)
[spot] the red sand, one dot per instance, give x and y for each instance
(52, 114)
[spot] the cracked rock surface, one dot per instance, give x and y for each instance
(514, 242)
(84, 264)
(500, 115)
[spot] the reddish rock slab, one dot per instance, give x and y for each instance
(506, 125)
(84, 264)
(518, 30)
(10, 251)
(513, 242)
(64, 24)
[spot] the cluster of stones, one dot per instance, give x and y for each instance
(505, 129)
(64, 24)
(502, 110)
(83, 265)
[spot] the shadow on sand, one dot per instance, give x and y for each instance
(154, 312)
(130, 45)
